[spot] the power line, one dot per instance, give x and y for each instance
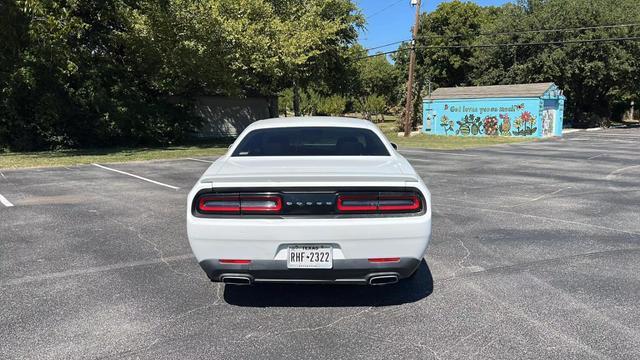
(385, 45)
(517, 33)
(571, 29)
(560, 42)
(384, 8)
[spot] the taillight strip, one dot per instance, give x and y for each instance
(219, 204)
(395, 203)
(384, 260)
(347, 203)
(285, 203)
(234, 261)
(381, 202)
(238, 203)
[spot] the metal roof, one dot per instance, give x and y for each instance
(493, 91)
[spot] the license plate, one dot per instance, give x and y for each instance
(310, 257)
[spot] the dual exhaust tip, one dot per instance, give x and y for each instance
(236, 280)
(383, 279)
(247, 280)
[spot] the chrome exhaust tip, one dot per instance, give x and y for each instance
(236, 280)
(383, 279)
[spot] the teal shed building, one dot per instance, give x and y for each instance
(531, 110)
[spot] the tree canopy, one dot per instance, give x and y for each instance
(81, 73)
(85, 73)
(599, 78)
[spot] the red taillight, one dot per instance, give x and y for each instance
(384, 260)
(234, 261)
(358, 203)
(399, 203)
(236, 204)
(380, 202)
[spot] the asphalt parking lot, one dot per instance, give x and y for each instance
(535, 254)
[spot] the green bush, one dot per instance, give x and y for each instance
(372, 105)
(332, 105)
(285, 102)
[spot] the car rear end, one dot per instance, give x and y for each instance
(276, 221)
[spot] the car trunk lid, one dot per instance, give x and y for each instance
(309, 170)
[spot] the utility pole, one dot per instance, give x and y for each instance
(412, 64)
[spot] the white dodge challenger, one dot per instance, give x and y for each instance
(310, 200)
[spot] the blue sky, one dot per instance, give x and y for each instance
(390, 20)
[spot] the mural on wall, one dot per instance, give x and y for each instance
(525, 124)
(505, 127)
(490, 125)
(532, 113)
(447, 125)
(470, 124)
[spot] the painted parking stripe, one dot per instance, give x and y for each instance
(200, 160)
(5, 202)
(436, 152)
(137, 177)
(569, 131)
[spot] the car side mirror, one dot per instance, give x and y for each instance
(394, 145)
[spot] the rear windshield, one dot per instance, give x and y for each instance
(311, 141)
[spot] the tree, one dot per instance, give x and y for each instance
(285, 102)
(313, 42)
(599, 79)
(596, 77)
(452, 23)
(378, 77)
(86, 73)
(372, 105)
(332, 105)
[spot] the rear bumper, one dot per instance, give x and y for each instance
(352, 271)
(269, 239)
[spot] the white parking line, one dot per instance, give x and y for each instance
(5, 202)
(615, 134)
(436, 152)
(137, 177)
(569, 131)
(200, 160)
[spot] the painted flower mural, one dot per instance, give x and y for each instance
(447, 125)
(525, 124)
(490, 125)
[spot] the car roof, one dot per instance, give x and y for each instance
(307, 121)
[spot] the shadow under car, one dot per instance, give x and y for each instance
(413, 289)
